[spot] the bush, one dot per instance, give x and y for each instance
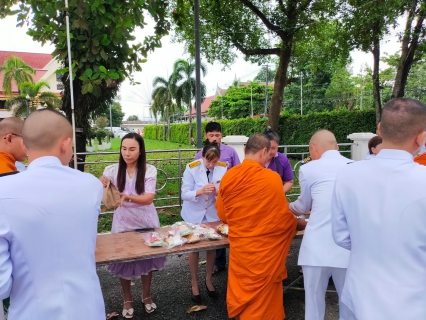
(90, 134)
(100, 135)
(294, 129)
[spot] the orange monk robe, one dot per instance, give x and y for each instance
(421, 159)
(7, 163)
(261, 227)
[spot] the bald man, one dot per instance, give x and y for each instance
(379, 216)
(48, 226)
(10, 145)
(319, 256)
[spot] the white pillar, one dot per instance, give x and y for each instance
(236, 142)
(360, 146)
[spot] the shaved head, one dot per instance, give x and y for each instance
(256, 143)
(45, 129)
(11, 125)
(402, 120)
(324, 139)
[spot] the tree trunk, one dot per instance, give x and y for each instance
(410, 43)
(190, 118)
(168, 123)
(376, 77)
(279, 85)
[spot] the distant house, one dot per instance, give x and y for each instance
(45, 66)
(133, 126)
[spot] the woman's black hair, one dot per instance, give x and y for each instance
(211, 150)
(373, 143)
(272, 135)
(140, 167)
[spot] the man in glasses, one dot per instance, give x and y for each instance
(11, 149)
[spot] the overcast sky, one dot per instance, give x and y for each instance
(160, 63)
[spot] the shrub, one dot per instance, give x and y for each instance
(100, 135)
(294, 129)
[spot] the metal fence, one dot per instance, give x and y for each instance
(171, 164)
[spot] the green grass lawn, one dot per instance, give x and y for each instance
(167, 165)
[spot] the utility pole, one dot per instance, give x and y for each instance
(266, 93)
(197, 71)
(110, 117)
(301, 94)
(251, 100)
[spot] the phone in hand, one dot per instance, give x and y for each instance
(144, 230)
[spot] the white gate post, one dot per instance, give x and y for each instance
(360, 146)
(236, 142)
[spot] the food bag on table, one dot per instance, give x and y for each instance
(223, 229)
(213, 235)
(193, 237)
(154, 239)
(174, 238)
(184, 228)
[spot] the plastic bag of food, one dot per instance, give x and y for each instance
(184, 228)
(213, 235)
(223, 229)
(193, 237)
(154, 239)
(174, 238)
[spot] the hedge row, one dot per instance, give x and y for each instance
(294, 129)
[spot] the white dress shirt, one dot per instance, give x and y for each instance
(194, 208)
(316, 180)
(48, 228)
(379, 214)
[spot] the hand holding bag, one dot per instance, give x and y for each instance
(111, 198)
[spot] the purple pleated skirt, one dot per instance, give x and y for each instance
(129, 270)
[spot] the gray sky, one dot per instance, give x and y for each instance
(160, 63)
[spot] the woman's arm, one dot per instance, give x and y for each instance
(143, 199)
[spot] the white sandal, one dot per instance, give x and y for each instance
(128, 313)
(149, 307)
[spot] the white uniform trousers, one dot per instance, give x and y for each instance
(315, 280)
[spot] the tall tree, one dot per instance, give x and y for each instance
(133, 118)
(37, 99)
(365, 25)
(103, 48)
(15, 70)
(186, 84)
(258, 29)
(164, 92)
(117, 113)
(413, 45)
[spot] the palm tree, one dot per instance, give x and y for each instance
(37, 98)
(186, 85)
(164, 92)
(16, 70)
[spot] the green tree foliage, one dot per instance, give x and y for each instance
(133, 118)
(184, 73)
(238, 102)
(102, 122)
(15, 70)
(103, 47)
(117, 113)
(258, 29)
(37, 99)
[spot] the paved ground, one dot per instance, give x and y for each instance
(172, 294)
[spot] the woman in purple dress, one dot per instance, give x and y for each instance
(136, 181)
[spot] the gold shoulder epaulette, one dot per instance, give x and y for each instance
(221, 164)
(306, 160)
(194, 164)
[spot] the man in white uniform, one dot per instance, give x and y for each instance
(48, 226)
(379, 214)
(319, 256)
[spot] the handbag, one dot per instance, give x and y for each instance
(111, 197)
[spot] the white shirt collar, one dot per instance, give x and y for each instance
(394, 154)
(44, 161)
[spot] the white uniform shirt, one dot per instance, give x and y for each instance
(48, 228)
(316, 189)
(194, 178)
(379, 214)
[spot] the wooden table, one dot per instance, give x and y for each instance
(129, 246)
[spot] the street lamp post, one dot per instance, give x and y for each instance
(27, 100)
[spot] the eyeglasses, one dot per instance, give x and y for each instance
(14, 134)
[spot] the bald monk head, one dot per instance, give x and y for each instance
(403, 125)
(257, 148)
(322, 141)
(48, 133)
(11, 138)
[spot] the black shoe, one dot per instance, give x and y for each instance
(196, 298)
(212, 294)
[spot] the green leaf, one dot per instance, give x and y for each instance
(88, 73)
(114, 75)
(105, 42)
(103, 69)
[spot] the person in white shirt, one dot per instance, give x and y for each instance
(48, 229)
(379, 216)
(319, 256)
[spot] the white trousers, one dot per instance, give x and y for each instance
(315, 280)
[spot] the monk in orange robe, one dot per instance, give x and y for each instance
(11, 149)
(261, 228)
